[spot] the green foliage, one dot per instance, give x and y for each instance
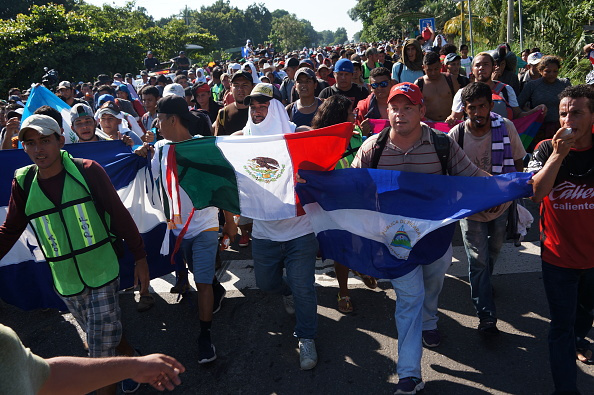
(84, 43)
(288, 33)
(9, 9)
(340, 36)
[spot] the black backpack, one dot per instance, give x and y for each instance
(440, 140)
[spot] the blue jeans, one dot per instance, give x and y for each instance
(570, 293)
(433, 276)
(482, 242)
(200, 253)
(417, 295)
(298, 257)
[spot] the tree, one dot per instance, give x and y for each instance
(259, 20)
(79, 48)
(288, 32)
(10, 9)
(340, 36)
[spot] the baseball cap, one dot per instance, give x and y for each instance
(344, 65)
(174, 105)
(109, 108)
(182, 53)
(80, 110)
(64, 84)
(15, 112)
(264, 92)
(307, 71)
(174, 89)
(306, 63)
(452, 57)
(534, 58)
(149, 52)
(129, 75)
(117, 75)
(292, 62)
(122, 88)
(43, 124)
(411, 91)
(243, 74)
(142, 72)
(105, 98)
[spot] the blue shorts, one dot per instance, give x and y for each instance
(200, 253)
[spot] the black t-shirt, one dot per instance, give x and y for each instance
(355, 94)
(231, 119)
(151, 63)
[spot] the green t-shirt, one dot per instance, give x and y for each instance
(21, 371)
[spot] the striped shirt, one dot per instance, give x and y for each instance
(421, 158)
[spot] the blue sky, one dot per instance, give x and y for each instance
(323, 15)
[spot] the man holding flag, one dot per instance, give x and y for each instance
(75, 212)
(413, 147)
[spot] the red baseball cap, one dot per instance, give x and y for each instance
(411, 91)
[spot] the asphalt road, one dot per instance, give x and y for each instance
(257, 353)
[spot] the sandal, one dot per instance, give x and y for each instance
(369, 281)
(145, 303)
(581, 352)
(180, 287)
(344, 304)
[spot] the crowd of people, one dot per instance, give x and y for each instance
(402, 86)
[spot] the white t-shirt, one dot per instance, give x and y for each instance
(511, 95)
(202, 220)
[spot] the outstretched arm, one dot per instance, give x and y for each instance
(73, 375)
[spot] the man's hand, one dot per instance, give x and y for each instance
(230, 227)
(160, 371)
(145, 150)
(563, 142)
(365, 127)
(141, 275)
(148, 137)
(299, 179)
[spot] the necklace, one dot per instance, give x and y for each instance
(302, 106)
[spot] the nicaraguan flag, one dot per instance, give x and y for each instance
(25, 278)
(384, 223)
(41, 96)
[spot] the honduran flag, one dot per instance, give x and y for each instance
(25, 278)
(384, 223)
(250, 175)
(41, 96)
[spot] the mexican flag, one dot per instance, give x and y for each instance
(249, 175)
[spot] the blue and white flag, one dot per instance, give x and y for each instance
(41, 96)
(384, 223)
(25, 278)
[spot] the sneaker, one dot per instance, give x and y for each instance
(308, 357)
(244, 240)
(206, 352)
(431, 338)
(219, 294)
(488, 325)
(289, 304)
(129, 386)
(409, 385)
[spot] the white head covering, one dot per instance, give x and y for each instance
(276, 122)
(255, 78)
(201, 77)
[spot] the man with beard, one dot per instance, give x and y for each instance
(481, 137)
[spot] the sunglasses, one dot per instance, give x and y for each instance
(383, 84)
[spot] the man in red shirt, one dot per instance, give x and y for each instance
(564, 184)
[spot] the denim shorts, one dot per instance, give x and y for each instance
(200, 253)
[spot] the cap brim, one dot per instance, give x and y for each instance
(261, 98)
(38, 129)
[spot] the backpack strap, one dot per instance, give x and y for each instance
(442, 148)
(450, 84)
(380, 144)
(28, 181)
(420, 82)
(399, 72)
(460, 128)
